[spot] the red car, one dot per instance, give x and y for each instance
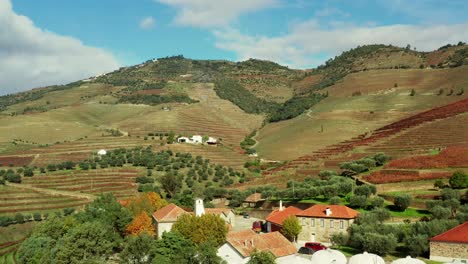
(257, 226)
(315, 246)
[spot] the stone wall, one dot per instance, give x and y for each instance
(442, 251)
(314, 231)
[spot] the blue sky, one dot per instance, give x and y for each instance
(90, 37)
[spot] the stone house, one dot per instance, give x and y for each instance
(253, 200)
(451, 245)
(320, 222)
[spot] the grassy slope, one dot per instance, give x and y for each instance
(342, 115)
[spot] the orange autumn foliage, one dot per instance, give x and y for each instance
(146, 202)
(140, 224)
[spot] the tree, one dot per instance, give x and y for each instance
(291, 228)
(377, 202)
(137, 250)
(36, 250)
(148, 202)
(206, 228)
(92, 240)
(171, 183)
(335, 200)
(448, 194)
(413, 92)
(28, 172)
(439, 183)
(380, 244)
(439, 212)
(402, 201)
(141, 224)
(207, 254)
(261, 257)
(459, 180)
(416, 244)
(358, 201)
(174, 248)
(108, 211)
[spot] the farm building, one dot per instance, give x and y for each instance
(275, 219)
(165, 217)
(451, 245)
(320, 222)
(196, 139)
(239, 245)
(183, 140)
(212, 141)
(253, 200)
(102, 152)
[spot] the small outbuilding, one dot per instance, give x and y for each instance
(451, 245)
(253, 200)
(329, 256)
(183, 140)
(102, 152)
(366, 258)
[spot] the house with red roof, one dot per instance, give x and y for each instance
(239, 245)
(165, 217)
(319, 222)
(275, 219)
(451, 245)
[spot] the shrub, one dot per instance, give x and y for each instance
(402, 201)
(358, 201)
(335, 200)
(459, 180)
(377, 202)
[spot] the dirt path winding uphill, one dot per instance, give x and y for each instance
(52, 192)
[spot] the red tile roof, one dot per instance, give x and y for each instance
(253, 198)
(277, 217)
(337, 211)
(458, 234)
(246, 241)
(168, 213)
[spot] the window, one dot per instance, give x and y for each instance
(331, 223)
(303, 220)
(341, 224)
(322, 222)
(312, 222)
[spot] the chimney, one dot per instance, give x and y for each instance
(251, 241)
(281, 206)
(328, 211)
(199, 207)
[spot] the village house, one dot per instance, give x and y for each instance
(320, 222)
(165, 218)
(239, 245)
(275, 219)
(451, 245)
(225, 213)
(197, 139)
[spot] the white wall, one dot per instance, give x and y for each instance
(163, 227)
(230, 255)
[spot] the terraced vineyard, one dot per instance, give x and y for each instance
(119, 181)
(436, 128)
(19, 200)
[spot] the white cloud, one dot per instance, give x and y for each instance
(32, 57)
(213, 13)
(147, 23)
(306, 43)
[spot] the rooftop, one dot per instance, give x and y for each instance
(168, 213)
(458, 234)
(337, 211)
(277, 216)
(247, 240)
(253, 198)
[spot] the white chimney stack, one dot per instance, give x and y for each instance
(281, 206)
(199, 207)
(328, 211)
